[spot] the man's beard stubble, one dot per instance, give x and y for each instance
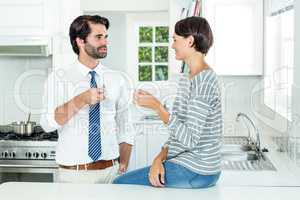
(94, 52)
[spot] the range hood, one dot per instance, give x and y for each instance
(25, 46)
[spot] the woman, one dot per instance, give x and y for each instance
(191, 156)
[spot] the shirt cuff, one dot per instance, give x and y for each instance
(126, 139)
(48, 122)
(172, 121)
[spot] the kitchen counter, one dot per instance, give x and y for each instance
(284, 183)
(55, 191)
(287, 172)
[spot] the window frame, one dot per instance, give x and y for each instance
(153, 45)
(277, 71)
(134, 21)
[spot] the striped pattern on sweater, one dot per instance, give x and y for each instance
(196, 123)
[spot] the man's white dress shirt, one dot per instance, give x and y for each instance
(64, 84)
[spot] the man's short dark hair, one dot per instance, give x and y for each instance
(80, 28)
(199, 28)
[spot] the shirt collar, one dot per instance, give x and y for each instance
(84, 70)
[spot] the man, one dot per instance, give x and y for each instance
(88, 104)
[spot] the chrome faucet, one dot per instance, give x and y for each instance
(255, 128)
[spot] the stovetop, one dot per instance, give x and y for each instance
(39, 146)
(38, 135)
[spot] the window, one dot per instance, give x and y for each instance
(147, 44)
(279, 61)
(152, 53)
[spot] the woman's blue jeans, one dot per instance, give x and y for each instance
(176, 176)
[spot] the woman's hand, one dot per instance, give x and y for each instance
(145, 99)
(157, 174)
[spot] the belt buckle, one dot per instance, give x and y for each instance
(79, 167)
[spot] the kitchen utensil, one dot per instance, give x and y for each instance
(5, 128)
(19, 127)
(28, 120)
(24, 128)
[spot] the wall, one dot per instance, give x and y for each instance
(116, 57)
(295, 127)
(21, 87)
(239, 94)
(265, 115)
(128, 5)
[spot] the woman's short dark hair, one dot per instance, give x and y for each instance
(199, 28)
(80, 28)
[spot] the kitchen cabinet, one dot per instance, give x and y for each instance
(275, 6)
(121, 6)
(150, 137)
(157, 136)
(30, 17)
(63, 54)
(237, 27)
(238, 36)
(138, 156)
(42, 18)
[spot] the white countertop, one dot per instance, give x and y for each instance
(55, 191)
(287, 172)
(243, 185)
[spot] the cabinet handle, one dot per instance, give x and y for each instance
(141, 133)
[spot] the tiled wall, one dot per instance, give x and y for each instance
(238, 95)
(21, 87)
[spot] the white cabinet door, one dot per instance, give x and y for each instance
(237, 27)
(138, 158)
(274, 6)
(63, 54)
(30, 17)
(156, 137)
(140, 150)
(238, 36)
(148, 142)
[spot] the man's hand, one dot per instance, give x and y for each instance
(125, 152)
(93, 96)
(122, 168)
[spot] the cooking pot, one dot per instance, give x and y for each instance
(23, 128)
(5, 128)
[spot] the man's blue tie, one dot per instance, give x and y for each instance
(94, 125)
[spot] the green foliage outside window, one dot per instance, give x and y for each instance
(161, 54)
(161, 72)
(162, 34)
(145, 73)
(145, 34)
(145, 54)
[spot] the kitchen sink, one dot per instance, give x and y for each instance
(240, 156)
(228, 148)
(239, 153)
